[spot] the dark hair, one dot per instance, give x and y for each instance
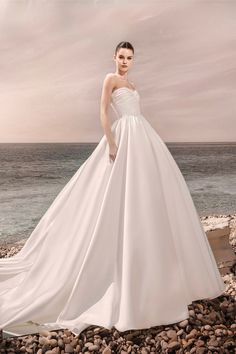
(127, 45)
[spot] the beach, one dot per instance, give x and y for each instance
(210, 327)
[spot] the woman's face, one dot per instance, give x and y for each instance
(124, 60)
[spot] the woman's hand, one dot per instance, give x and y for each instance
(112, 152)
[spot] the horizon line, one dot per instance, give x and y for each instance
(96, 142)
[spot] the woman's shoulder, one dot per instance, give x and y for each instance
(109, 77)
(112, 77)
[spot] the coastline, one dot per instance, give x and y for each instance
(209, 222)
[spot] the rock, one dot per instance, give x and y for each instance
(192, 313)
(69, 348)
(44, 333)
(229, 344)
(171, 334)
(218, 332)
(212, 316)
(200, 343)
(98, 341)
(44, 341)
(97, 330)
(192, 334)
(174, 345)
(53, 342)
(67, 332)
(183, 324)
(56, 350)
(60, 343)
(207, 327)
(213, 343)
(181, 331)
(88, 344)
(106, 350)
(200, 350)
(66, 340)
(93, 347)
(74, 342)
(144, 351)
(148, 339)
(164, 344)
(53, 334)
(199, 316)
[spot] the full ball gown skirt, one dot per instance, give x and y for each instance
(121, 245)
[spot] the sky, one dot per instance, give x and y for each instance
(55, 55)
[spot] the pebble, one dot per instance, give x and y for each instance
(174, 345)
(69, 348)
(171, 334)
(183, 324)
(106, 350)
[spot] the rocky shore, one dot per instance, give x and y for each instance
(209, 329)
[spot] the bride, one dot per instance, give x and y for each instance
(122, 244)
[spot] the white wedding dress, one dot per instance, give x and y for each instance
(121, 245)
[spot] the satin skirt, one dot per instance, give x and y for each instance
(121, 245)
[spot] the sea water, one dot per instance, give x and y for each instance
(32, 174)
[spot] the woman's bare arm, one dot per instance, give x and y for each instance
(107, 88)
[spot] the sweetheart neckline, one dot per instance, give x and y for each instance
(124, 87)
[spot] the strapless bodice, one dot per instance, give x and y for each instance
(125, 101)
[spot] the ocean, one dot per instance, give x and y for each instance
(32, 174)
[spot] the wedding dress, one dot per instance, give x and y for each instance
(121, 245)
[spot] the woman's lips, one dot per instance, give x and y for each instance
(124, 66)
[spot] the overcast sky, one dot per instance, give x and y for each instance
(55, 54)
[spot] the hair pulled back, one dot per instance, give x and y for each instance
(126, 45)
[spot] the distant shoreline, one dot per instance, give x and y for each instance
(96, 142)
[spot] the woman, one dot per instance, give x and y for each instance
(122, 244)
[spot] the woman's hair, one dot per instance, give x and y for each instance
(127, 45)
